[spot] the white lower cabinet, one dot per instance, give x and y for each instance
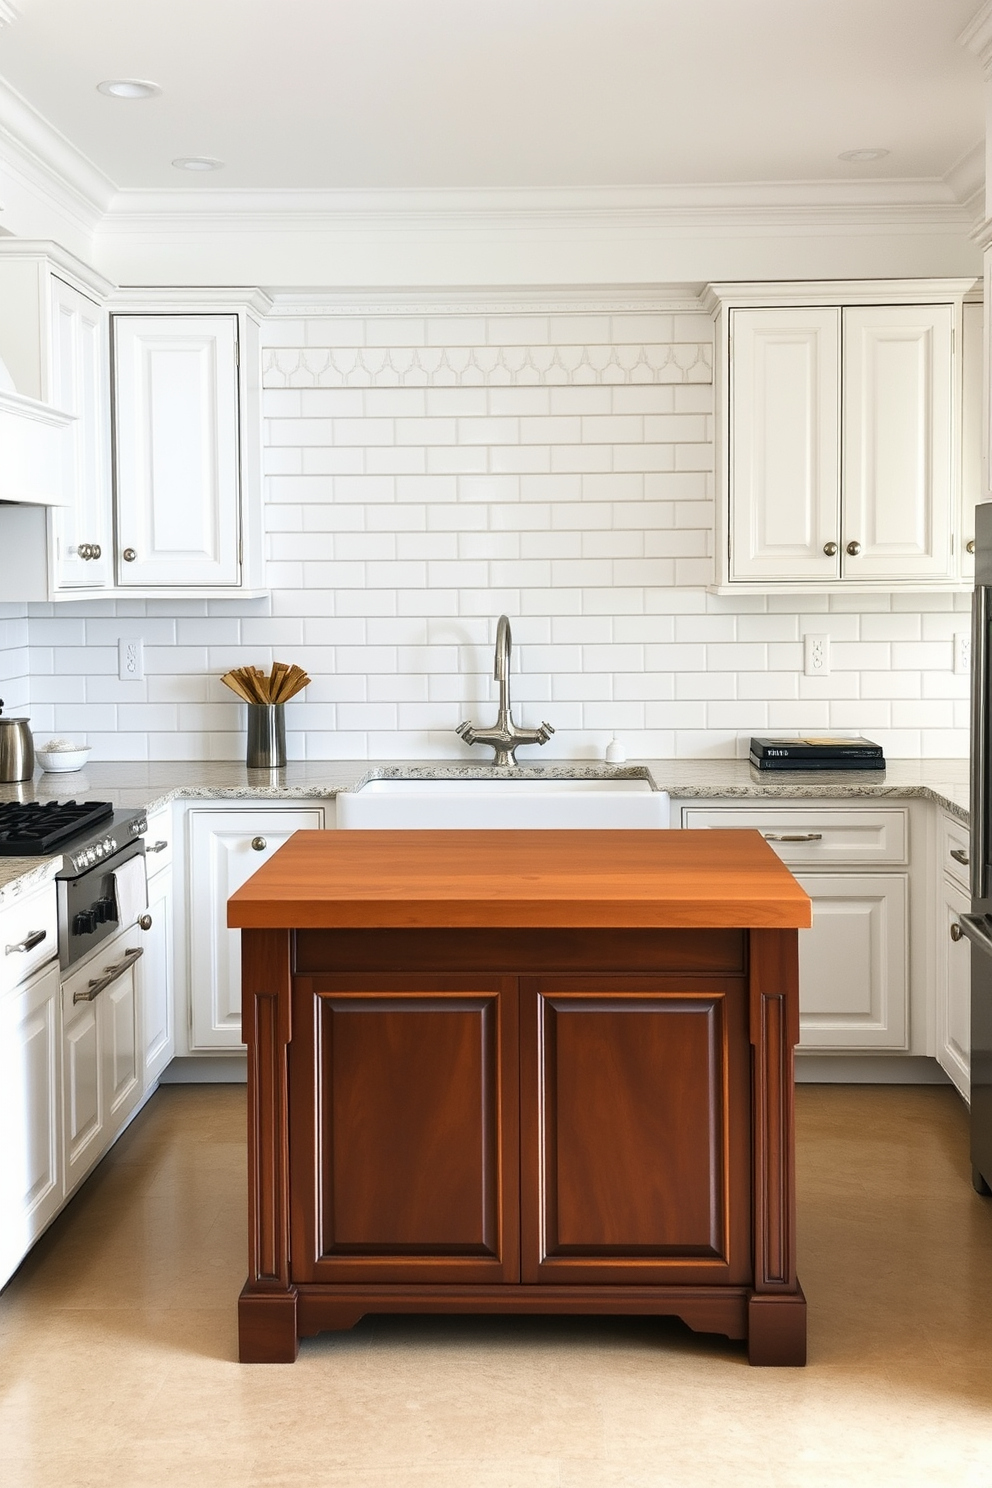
(225, 849)
(101, 1051)
(31, 1190)
(953, 986)
(854, 963)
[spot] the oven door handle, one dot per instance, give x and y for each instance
(110, 974)
(978, 929)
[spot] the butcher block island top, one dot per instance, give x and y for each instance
(320, 880)
(535, 1071)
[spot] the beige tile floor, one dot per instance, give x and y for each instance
(118, 1345)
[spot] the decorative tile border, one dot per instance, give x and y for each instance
(486, 366)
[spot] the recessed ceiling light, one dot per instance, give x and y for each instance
(862, 155)
(198, 163)
(128, 88)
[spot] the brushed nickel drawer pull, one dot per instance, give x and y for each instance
(960, 856)
(155, 847)
(32, 939)
(792, 837)
(956, 931)
(110, 974)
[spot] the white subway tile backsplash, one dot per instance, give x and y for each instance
(425, 474)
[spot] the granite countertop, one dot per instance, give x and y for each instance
(154, 784)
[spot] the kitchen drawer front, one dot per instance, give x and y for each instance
(955, 849)
(28, 935)
(158, 841)
(818, 836)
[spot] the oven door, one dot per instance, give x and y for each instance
(88, 905)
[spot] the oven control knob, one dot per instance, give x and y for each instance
(113, 844)
(84, 923)
(104, 909)
(98, 850)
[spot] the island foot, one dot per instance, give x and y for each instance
(267, 1327)
(776, 1329)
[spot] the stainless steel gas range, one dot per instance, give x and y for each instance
(96, 842)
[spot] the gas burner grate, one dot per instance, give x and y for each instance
(34, 828)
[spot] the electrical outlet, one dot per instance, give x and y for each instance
(131, 659)
(962, 653)
(816, 655)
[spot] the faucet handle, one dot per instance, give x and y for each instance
(544, 733)
(466, 732)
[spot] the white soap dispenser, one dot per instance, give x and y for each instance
(615, 752)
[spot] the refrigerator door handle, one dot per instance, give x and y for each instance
(978, 929)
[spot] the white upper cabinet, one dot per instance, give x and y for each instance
(897, 493)
(785, 442)
(177, 456)
(82, 534)
(840, 451)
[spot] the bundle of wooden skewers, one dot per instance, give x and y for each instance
(253, 686)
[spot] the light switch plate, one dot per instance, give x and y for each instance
(816, 655)
(962, 653)
(131, 659)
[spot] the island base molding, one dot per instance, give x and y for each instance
(272, 1323)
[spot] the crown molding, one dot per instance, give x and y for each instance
(977, 37)
(488, 299)
(834, 292)
(81, 275)
(49, 164)
(926, 204)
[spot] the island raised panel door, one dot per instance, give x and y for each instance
(632, 1172)
(403, 1129)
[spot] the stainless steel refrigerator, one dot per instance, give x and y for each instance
(978, 925)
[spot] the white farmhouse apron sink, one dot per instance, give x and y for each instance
(481, 804)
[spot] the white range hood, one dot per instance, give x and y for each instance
(36, 452)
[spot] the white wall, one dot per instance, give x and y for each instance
(425, 473)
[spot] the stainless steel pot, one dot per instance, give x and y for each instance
(16, 750)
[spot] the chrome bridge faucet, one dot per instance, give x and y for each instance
(504, 737)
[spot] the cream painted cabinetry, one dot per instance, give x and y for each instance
(156, 967)
(31, 1188)
(225, 847)
(953, 987)
(840, 452)
(101, 1051)
(854, 964)
(187, 443)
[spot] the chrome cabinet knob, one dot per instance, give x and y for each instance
(956, 931)
(259, 844)
(854, 548)
(145, 922)
(970, 545)
(87, 551)
(830, 549)
(129, 555)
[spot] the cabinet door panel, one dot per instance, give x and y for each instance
(122, 1064)
(83, 1092)
(630, 1170)
(156, 979)
(222, 857)
(784, 442)
(897, 441)
(412, 1142)
(81, 385)
(854, 962)
(954, 991)
(31, 1107)
(176, 422)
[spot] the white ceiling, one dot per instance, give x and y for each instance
(344, 94)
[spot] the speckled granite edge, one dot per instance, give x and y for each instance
(19, 876)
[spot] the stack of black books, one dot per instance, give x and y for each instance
(816, 754)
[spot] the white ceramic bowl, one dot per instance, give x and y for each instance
(56, 761)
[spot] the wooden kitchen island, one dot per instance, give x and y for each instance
(521, 1072)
